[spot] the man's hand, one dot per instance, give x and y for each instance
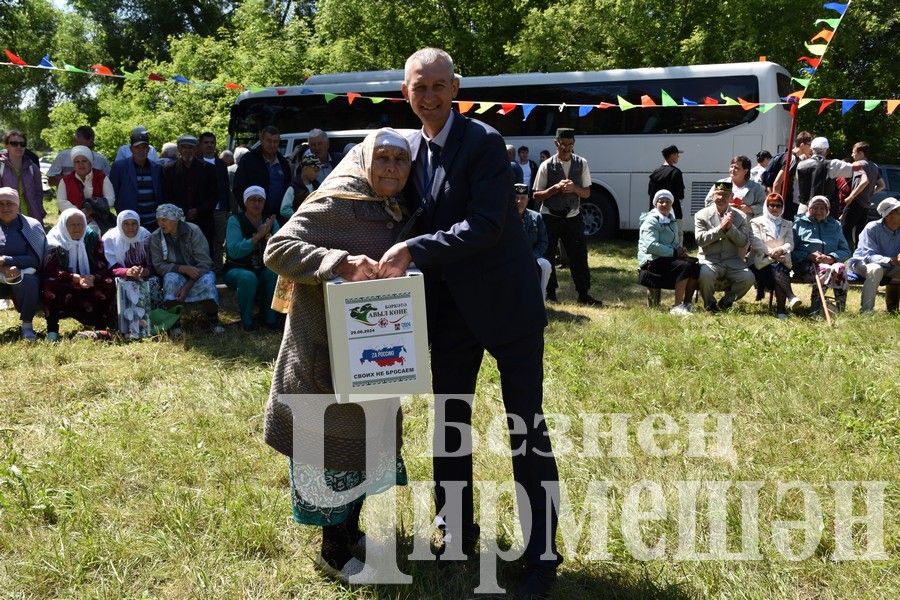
(357, 268)
(747, 210)
(566, 186)
(725, 225)
(189, 271)
(395, 261)
(183, 291)
(10, 272)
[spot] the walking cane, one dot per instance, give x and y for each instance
(822, 298)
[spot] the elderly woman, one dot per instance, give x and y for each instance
(339, 231)
(127, 249)
(820, 248)
(20, 172)
(770, 247)
(23, 246)
(747, 195)
(303, 185)
(77, 280)
(246, 237)
(87, 189)
(663, 260)
(180, 255)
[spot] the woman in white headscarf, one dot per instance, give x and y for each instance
(77, 281)
(340, 230)
(127, 249)
(84, 183)
(770, 252)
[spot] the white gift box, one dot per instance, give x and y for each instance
(378, 337)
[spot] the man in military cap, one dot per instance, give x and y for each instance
(668, 177)
(562, 182)
(190, 184)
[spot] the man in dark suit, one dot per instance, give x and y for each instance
(481, 294)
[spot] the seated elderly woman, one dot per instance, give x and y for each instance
(339, 231)
(77, 280)
(23, 246)
(821, 249)
(127, 249)
(771, 242)
(746, 195)
(87, 189)
(246, 237)
(663, 260)
(180, 255)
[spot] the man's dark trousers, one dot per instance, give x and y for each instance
(571, 231)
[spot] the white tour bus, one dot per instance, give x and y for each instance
(621, 147)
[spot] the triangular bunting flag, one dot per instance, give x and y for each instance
(527, 108)
(825, 103)
(507, 108)
(584, 110)
(606, 105)
(485, 106)
(687, 102)
(817, 49)
(233, 86)
(464, 106)
(804, 102)
(73, 69)
(667, 100)
(747, 105)
(305, 91)
(728, 100)
(892, 105)
(838, 8)
(101, 70)
(181, 79)
(646, 100)
(808, 71)
(45, 63)
(764, 108)
(846, 105)
(281, 91)
(14, 59)
(155, 77)
(813, 62)
(130, 75)
(710, 101)
(351, 96)
(255, 89)
(624, 104)
(329, 97)
(803, 82)
(825, 34)
(833, 23)
(796, 95)
(871, 104)
(377, 100)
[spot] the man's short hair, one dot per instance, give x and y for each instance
(565, 133)
(317, 133)
(525, 148)
(269, 130)
(804, 137)
(427, 56)
(207, 134)
(862, 147)
(85, 132)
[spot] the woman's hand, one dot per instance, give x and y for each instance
(10, 272)
(395, 261)
(184, 290)
(357, 268)
(83, 281)
(189, 271)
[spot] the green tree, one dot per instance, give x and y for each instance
(64, 119)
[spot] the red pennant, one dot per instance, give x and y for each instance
(825, 103)
(280, 91)
(464, 106)
(710, 101)
(746, 104)
(155, 77)
(505, 109)
(606, 105)
(813, 62)
(351, 96)
(14, 59)
(233, 86)
(648, 101)
(101, 70)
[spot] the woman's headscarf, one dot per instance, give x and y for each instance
(817, 200)
(59, 237)
(84, 152)
(116, 245)
(663, 219)
(172, 213)
(773, 223)
(351, 178)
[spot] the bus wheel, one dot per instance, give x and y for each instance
(600, 216)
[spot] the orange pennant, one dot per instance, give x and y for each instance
(464, 106)
(646, 100)
(101, 70)
(798, 94)
(825, 103)
(710, 101)
(825, 34)
(351, 96)
(746, 104)
(892, 105)
(233, 86)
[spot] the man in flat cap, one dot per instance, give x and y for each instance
(137, 181)
(877, 257)
(722, 234)
(190, 184)
(562, 182)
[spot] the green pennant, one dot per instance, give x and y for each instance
(624, 104)
(729, 101)
(871, 104)
(128, 75)
(804, 102)
(803, 82)
(256, 88)
(377, 100)
(667, 100)
(330, 97)
(766, 106)
(485, 106)
(833, 23)
(72, 69)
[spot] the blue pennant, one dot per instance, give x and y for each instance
(838, 8)
(527, 108)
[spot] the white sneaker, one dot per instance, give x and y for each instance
(794, 303)
(781, 316)
(680, 311)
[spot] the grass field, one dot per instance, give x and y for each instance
(138, 470)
